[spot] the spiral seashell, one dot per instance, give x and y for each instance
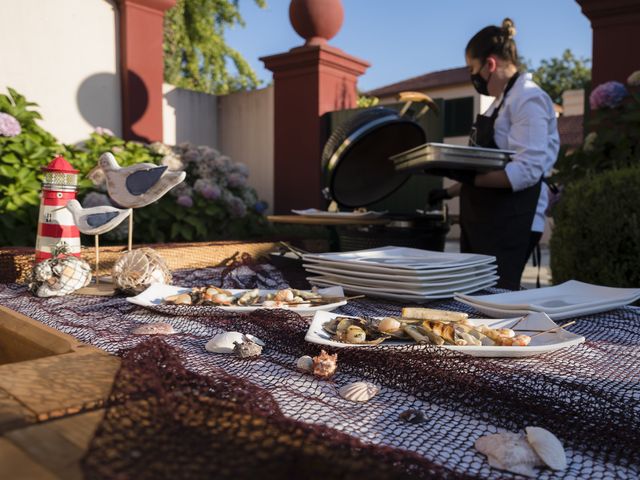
(305, 363)
(359, 391)
(225, 342)
(325, 365)
(548, 447)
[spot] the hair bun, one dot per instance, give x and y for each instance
(509, 27)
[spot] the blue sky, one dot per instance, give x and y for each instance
(405, 38)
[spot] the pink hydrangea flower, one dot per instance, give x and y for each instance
(104, 131)
(185, 201)
(608, 95)
(9, 126)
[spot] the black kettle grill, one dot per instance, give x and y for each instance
(357, 172)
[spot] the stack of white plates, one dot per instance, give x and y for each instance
(400, 273)
(569, 299)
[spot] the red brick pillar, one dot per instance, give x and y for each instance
(141, 66)
(308, 81)
(616, 26)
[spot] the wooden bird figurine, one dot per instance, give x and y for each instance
(96, 221)
(137, 185)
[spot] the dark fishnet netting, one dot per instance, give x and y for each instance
(176, 408)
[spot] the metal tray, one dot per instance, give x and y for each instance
(440, 155)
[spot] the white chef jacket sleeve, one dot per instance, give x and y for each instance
(529, 138)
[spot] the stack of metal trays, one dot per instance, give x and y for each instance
(442, 155)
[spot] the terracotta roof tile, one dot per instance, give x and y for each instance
(442, 78)
(571, 130)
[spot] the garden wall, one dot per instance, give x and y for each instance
(245, 133)
(189, 116)
(64, 55)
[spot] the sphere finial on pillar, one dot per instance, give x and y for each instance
(316, 20)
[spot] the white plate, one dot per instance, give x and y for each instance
(557, 299)
(315, 213)
(576, 312)
(154, 296)
(397, 283)
(400, 259)
(547, 342)
(409, 296)
(452, 274)
(365, 269)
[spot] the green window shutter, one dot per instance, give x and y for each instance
(458, 116)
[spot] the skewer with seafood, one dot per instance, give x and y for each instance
(172, 299)
(450, 330)
(424, 326)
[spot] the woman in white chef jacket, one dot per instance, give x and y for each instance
(502, 212)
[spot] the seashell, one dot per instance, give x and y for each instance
(157, 328)
(548, 447)
(509, 451)
(324, 365)
(389, 325)
(355, 334)
(247, 348)
(63, 275)
(305, 363)
(136, 270)
(225, 342)
(359, 391)
(413, 416)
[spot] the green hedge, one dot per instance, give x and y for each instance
(596, 237)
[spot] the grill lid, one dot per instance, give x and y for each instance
(355, 160)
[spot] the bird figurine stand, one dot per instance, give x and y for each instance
(96, 221)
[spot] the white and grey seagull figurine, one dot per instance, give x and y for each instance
(96, 221)
(137, 185)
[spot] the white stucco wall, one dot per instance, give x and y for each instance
(245, 133)
(64, 55)
(189, 116)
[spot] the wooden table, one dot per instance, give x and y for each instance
(304, 220)
(51, 402)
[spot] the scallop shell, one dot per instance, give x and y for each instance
(548, 447)
(509, 451)
(305, 363)
(359, 391)
(225, 342)
(157, 328)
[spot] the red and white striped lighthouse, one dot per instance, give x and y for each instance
(55, 222)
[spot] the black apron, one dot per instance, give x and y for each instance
(497, 221)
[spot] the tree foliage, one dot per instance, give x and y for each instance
(196, 55)
(558, 74)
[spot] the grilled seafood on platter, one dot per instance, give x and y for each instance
(424, 326)
(215, 296)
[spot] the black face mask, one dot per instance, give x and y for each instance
(480, 84)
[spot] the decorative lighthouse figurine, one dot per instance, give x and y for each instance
(55, 223)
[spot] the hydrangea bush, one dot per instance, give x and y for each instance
(214, 202)
(613, 141)
(601, 186)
